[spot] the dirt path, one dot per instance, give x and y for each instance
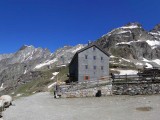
(43, 106)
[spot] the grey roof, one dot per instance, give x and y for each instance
(87, 47)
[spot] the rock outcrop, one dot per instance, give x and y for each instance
(134, 43)
(25, 65)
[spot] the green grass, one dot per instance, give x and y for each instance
(62, 76)
(33, 86)
(41, 84)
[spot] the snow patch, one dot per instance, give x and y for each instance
(25, 72)
(127, 72)
(18, 95)
(53, 84)
(120, 28)
(61, 65)
(54, 75)
(153, 43)
(148, 65)
(138, 63)
(145, 60)
(48, 62)
(130, 27)
(154, 33)
(1, 85)
(112, 56)
(126, 60)
(128, 43)
(78, 48)
(157, 61)
(122, 32)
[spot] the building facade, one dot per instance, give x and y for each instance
(90, 63)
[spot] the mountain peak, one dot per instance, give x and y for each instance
(26, 46)
(156, 28)
(132, 25)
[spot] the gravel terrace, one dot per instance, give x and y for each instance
(43, 106)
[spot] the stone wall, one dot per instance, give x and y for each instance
(90, 92)
(136, 89)
(116, 89)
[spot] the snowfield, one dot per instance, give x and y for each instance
(130, 27)
(157, 61)
(153, 43)
(126, 72)
(48, 62)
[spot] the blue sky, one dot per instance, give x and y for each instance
(54, 23)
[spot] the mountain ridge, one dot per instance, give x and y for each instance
(130, 46)
(132, 42)
(30, 60)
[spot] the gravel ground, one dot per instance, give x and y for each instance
(43, 106)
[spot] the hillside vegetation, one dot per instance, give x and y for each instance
(41, 84)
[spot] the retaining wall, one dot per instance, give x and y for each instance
(91, 92)
(136, 89)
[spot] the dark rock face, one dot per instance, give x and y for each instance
(12, 66)
(132, 42)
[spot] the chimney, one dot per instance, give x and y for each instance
(89, 42)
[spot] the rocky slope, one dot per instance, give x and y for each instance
(61, 57)
(134, 44)
(26, 64)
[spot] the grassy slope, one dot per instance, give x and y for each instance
(41, 84)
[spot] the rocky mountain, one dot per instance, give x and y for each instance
(61, 57)
(132, 44)
(28, 60)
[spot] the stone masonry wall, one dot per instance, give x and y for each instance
(136, 89)
(91, 92)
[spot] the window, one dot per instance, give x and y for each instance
(94, 67)
(86, 66)
(101, 67)
(86, 56)
(101, 58)
(86, 77)
(94, 57)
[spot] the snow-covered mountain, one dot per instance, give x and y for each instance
(130, 46)
(61, 57)
(28, 58)
(134, 45)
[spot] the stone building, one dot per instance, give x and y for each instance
(90, 63)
